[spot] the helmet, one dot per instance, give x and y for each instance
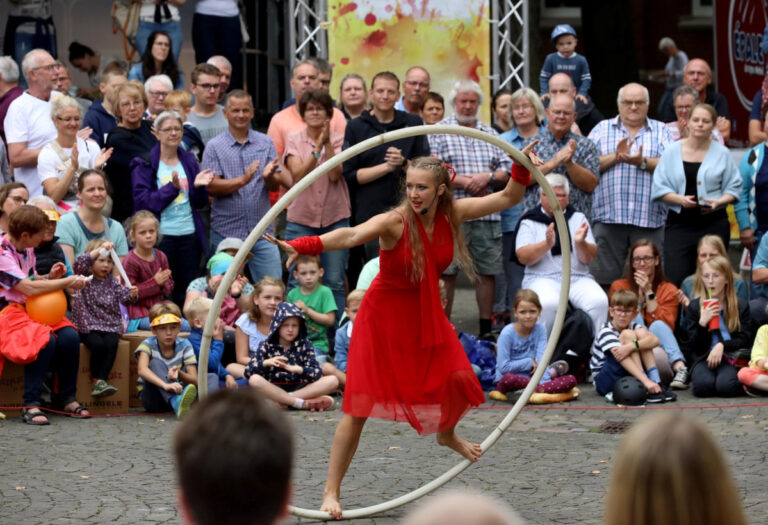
(629, 391)
(562, 29)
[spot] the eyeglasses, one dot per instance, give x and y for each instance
(622, 311)
(131, 104)
(645, 259)
(207, 87)
(630, 103)
(170, 130)
(158, 94)
(687, 108)
(49, 67)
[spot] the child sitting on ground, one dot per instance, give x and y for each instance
(197, 314)
(343, 335)
(252, 327)
(235, 302)
(566, 60)
(520, 348)
(315, 301)
(623, 347)
(147, 268)
(167, 366)
(285, 369)
(96, 311)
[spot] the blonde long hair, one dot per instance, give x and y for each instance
(730, 309)
(444, 206)
(670, 471)
(713, 241)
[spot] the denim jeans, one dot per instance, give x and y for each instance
(667, 339)
(183, 252)
(266, 258)
(172, 27)
(62, 355)
(334, 263)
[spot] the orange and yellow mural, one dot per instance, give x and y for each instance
(449, 39)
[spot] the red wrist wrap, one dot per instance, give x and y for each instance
(310, 245)
(520, 174)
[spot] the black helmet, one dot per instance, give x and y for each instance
(629, 391)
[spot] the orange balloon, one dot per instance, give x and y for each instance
(47, 308)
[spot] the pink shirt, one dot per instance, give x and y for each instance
(14, 268)
(324, 202)
(288, 120)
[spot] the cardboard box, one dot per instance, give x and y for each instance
(12, 384)
(134, 339)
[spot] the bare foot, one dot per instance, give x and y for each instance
(471, 451)
(331, 505)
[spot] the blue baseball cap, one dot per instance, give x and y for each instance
(562, 29)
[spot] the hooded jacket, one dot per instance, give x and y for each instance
(301, 352)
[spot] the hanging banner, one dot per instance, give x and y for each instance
(451, 40)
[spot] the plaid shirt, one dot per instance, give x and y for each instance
(624, 193)
(468, 155)
(236, 214)
(585, 156)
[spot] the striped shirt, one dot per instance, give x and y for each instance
(236, 214)
(468, 155)
(624, 193)
(606, 340)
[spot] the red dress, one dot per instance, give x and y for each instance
(405, 361)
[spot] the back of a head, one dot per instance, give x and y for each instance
(669, 470)
(234, 455)
(462, 507)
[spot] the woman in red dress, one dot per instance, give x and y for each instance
(405, 360)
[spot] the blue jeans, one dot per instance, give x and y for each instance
(62, 355)
(266, 258)
(172, 27)
(667, 339)
(183, 252)
(334, 263)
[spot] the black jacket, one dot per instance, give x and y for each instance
(698, 341)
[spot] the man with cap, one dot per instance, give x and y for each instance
(566, 60)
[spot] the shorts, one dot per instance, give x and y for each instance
(321, 357)
(747, 375)
(611, 372)
(483, 239)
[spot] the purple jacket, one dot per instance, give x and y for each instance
(147, 196)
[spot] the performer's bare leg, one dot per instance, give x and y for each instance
(448, 438)
(343, 449)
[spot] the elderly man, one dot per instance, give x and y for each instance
(622, 211)
(101, 115)
(537, 247)
(206, 115)
(698, 74)
(305, 77)
(587, 115)
(10, 89)
(224, 66)
(245, 163)
(324, 77)
(480, 169)
(566, 153)
(415, 89)
(28, 124)
(157, 88)
(62, 82)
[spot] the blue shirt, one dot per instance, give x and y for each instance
(511, 216)
(514, 352)
(575, 65)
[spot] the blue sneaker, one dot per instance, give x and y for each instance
(181, 403)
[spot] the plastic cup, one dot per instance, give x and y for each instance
(714, 323)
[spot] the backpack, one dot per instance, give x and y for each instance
(125, 19)
(575, 342)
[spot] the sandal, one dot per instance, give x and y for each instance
(79, 412)
(28, 416)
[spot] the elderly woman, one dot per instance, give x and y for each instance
(325, 206)
(696, 178)
(684, 98)
(26, 341)
(538, 248)
(171, 185)
(76, 229)
(433, 108)
(526, 114)
(62, 161)
(157, 59)
(131, 138)
(13, 195)
(353, 96)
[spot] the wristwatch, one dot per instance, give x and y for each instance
(490, 181)
(316, 154)
(643, 164)
(651, 296)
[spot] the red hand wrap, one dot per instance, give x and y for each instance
(520, 174)
(310, 245)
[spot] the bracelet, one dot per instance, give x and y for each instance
(520, 174)
(637, 345)
(310, 245)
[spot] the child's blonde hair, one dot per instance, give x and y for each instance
(178, 97)
(730, 309)
(94, 244)
(254, 314)
(162, 308)
(198, 309)
(355, 296)
(142, 215)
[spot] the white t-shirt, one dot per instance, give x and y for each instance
(29, 120)
(50, 165)
(147, 11)
(532, 232)
(217, 7)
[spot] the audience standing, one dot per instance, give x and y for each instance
(157, 59)
(101, 116)
(10, 89)
(415, 88)
(216, 30)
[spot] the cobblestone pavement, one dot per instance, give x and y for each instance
(552, 465)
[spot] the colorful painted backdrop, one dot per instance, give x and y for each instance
(450, 39)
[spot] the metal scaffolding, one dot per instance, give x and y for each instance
(509, 38)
